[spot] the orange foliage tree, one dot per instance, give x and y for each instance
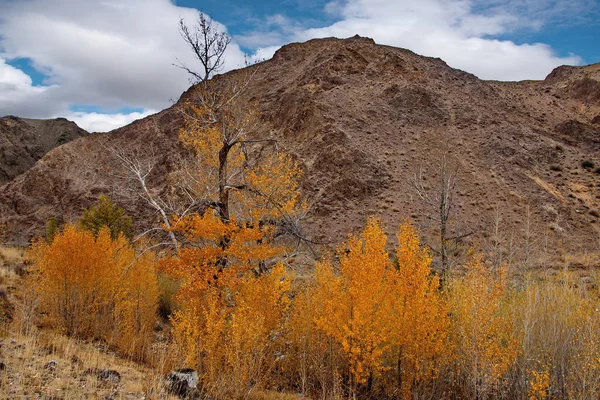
(236, 172)
(232, 303)
(389, 321)
(354, 305)
(96, 287)
(420, 314)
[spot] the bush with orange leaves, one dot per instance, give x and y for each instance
(483, 329)
(419, 316)
(96, 287)
(230, 318)
(354, 306)
(232, 300)
(389, 323)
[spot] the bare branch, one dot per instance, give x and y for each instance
(208, 45)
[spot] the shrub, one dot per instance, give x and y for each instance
(51, 229)
(96, 287)
(587, 164)
(106, 214)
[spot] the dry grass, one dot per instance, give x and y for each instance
(11, 255)
(271, 395)
(581, 260)
(11, 262)
(46, 364)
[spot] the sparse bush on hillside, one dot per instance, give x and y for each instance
(556, 168)
(587, 164)
(51, 229)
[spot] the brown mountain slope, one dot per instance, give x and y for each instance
(24, 141)
(361, 117)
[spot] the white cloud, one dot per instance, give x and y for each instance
(16, 88)
(461, 32)
(110, 54)
(97, 122)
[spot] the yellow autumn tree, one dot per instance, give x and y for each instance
(96, 287)
(232, 300)
(419, 313)
(237, 170)
(483, 331)
(354, 304)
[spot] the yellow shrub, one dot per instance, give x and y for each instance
(420, 314)
(96, 288)
(486, 339)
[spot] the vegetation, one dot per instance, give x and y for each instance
(51, 229)
(360, 323)
(106, 214)
(367, 324)
(96, 287)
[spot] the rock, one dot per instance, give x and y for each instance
(182, 381)
(25, 141)
(2, 366)
(51, 365)
(108, 375)
(596, 120)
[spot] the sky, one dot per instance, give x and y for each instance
(106, 63)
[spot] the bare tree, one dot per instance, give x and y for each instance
(137, 167)
(439, 199)
(208, 45)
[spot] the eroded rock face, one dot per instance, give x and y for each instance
(24, 141)
(360, 117)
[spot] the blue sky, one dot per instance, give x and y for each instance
(574, 34)
(104, 63)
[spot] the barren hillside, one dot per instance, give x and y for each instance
(361, 117)
(24, 141)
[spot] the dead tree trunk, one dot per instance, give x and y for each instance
(439, 198)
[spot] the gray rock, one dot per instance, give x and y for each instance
(51, 365)
(182, 381)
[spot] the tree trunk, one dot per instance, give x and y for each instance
(223, 190)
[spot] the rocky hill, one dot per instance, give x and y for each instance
(361, 118)
(24, 141)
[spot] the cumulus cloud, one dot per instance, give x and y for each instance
(17, 89)
(98, 122)
(111, 54)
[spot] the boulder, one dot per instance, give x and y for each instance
(182, 381)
